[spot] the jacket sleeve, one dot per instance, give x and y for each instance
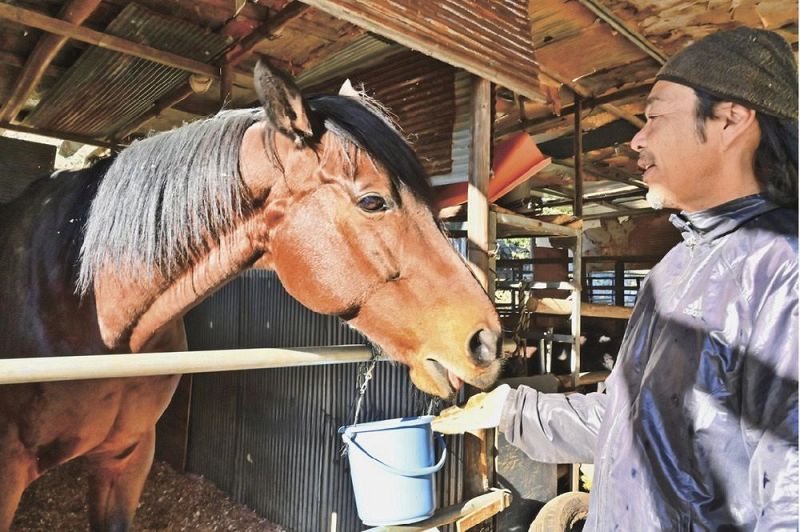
(770, 403)
(553, 427)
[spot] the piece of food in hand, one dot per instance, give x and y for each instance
(482, 411)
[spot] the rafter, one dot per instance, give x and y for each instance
(74, 12)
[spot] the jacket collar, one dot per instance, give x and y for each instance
(718, 221)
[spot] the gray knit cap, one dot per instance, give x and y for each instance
(755, 68)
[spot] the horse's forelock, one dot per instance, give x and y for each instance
(372, 131)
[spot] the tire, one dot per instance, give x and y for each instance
(562, 513)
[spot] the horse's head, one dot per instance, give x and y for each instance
(343, 215)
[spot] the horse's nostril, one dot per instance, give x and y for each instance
(483, 346)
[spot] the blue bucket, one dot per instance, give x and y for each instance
(392, 463)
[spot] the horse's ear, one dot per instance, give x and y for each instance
(347, 90)
(283, 103)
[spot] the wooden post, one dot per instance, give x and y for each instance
(478, 455)
(577, 206)
(619, 283)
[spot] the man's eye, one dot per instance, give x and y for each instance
(372, 203)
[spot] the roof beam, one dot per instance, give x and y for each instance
(74, 12)
(234, 56)
(33, 19)
(612, 20)
(61, 135)
(605, 172)
(391, 20)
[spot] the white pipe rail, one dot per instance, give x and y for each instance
(45, 369)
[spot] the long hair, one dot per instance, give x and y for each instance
(775, 160)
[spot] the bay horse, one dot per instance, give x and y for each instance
(108, 260)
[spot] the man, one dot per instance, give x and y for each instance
(698, 429)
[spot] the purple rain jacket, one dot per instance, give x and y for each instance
(698, 428)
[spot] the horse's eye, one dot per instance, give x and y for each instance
(372, 203)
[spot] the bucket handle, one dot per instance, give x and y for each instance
(418, 472)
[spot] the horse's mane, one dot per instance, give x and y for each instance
(163, 196)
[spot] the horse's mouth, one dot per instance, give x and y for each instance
(445, 378)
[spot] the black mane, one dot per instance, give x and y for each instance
(373, 134)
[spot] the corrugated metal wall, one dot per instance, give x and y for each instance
(268, 438)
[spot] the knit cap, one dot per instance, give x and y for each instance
(753, 67)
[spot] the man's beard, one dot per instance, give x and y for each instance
(655, 199)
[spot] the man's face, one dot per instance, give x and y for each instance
(679, 167)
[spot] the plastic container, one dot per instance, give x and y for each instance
(392, 463)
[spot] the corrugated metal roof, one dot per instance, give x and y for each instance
(103, 91)
(364, 52)
(419, 91)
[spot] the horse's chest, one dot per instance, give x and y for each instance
(68, 419)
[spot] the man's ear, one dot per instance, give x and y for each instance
(284, 106)
(740, 122)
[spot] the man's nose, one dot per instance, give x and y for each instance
(637, 142)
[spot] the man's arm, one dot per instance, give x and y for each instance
(770, 404)
(553, 427)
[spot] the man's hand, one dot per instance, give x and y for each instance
(482, 411)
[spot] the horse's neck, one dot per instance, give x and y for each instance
(135, 315)
(40, 313)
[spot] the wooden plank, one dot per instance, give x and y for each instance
(74, 12)
(27, 17)
(535, 227)
(486, 505)
(563, 307)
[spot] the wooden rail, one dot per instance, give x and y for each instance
(46, 369)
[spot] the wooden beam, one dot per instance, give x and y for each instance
(577, 205)
(233, 57)
(268, 30)
(623, 114)
(478, 458)
(588, 103)
(177, 95)
(60, 135)
(74, 12)
(617, 24)
(27, 17)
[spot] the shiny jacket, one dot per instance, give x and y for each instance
(698, 428)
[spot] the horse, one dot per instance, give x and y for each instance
(323, 190)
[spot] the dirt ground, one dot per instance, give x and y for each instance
(171, 502)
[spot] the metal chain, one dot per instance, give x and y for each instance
(365, 376)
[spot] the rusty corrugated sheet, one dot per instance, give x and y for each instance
(420, 92)
(268, 437)
(103, 91)
(462, 136)
(488, 37)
